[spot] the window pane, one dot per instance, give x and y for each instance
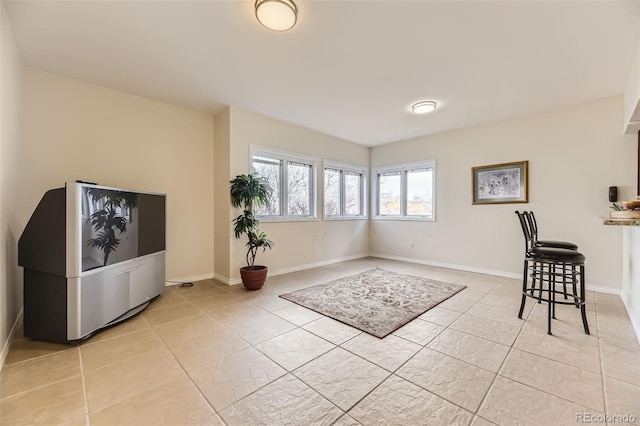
(389, 194)
(299, 189)
(269, 169)
(419, 192)
(331, 192)
(352, 194)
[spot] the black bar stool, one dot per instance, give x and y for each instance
(550, 266)
(533, 229)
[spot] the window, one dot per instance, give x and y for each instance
(292, 179)
(406, 191)
(344, 187)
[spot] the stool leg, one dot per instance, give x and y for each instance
(574, 279)
(583, 308)
(552, 295)
(525, 277)
(541, 282)
(551, 281)
(564, 280)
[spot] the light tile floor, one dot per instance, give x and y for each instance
(214, 355)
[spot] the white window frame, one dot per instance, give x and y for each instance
(343, 168)
(285, 158)
(403, 169)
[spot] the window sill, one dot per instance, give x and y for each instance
(286, 219)
(408, 219)
(336, 218)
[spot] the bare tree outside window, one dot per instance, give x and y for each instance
(419, 192)
(332, 192)
(389, 193)
(299, 189)
(269, 169)
(352, 194)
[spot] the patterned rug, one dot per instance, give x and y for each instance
(377, 302)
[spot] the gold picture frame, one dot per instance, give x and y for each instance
(504, 183)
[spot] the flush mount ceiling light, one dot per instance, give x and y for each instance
(423, 107)
(277, 15)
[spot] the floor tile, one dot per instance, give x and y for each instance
(294, 348)
(575, 348)
(398, 402)
(206, 349)
(229, 379)
(298, 315)
(571, 383)
(495, 331)
(454, 380)
(175, 403)
(474, 350)
(419, 331)
(389, 353)
(341, 377)
(512, 403)
(237, 313)
(57, 403)
(495, 313)
(262, 328)
(133, 324)
(346, 420)
(122, 380)
(441, 316)
(105, 352)
(168, 298)
(620, 357)
(28, 349)
(171, 313)
(193, 327)
(479, 421)
(287, 401)
(332, 330)
(37, 372)
(622, 399)
(462, 301)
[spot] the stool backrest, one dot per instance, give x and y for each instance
(533, 226)
(526, 230)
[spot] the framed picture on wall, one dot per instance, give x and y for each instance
(500, 183)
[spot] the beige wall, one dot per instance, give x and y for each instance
(574, 155)
(75, 130)
(297, 244)
(222, 228)
(10, 221)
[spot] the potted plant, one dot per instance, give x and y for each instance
(247, 192)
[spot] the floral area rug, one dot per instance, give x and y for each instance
(377, 302)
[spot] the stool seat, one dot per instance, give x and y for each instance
(558, 244)
(556, 254)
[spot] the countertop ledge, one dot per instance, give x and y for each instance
(620, 222)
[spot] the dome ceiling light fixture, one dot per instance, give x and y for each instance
(276, 15)
(423, 107)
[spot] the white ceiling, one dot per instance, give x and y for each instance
(349, 68)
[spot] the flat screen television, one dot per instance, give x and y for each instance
(111, 225)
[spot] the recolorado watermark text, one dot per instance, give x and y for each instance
(605, 418)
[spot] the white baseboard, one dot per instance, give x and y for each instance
(275, 272)
(603, 289)
(518, 276)
(7, 344)
(635, 322)
(450, 266)
(177, 281)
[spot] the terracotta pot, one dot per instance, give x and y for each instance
(253, 278)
